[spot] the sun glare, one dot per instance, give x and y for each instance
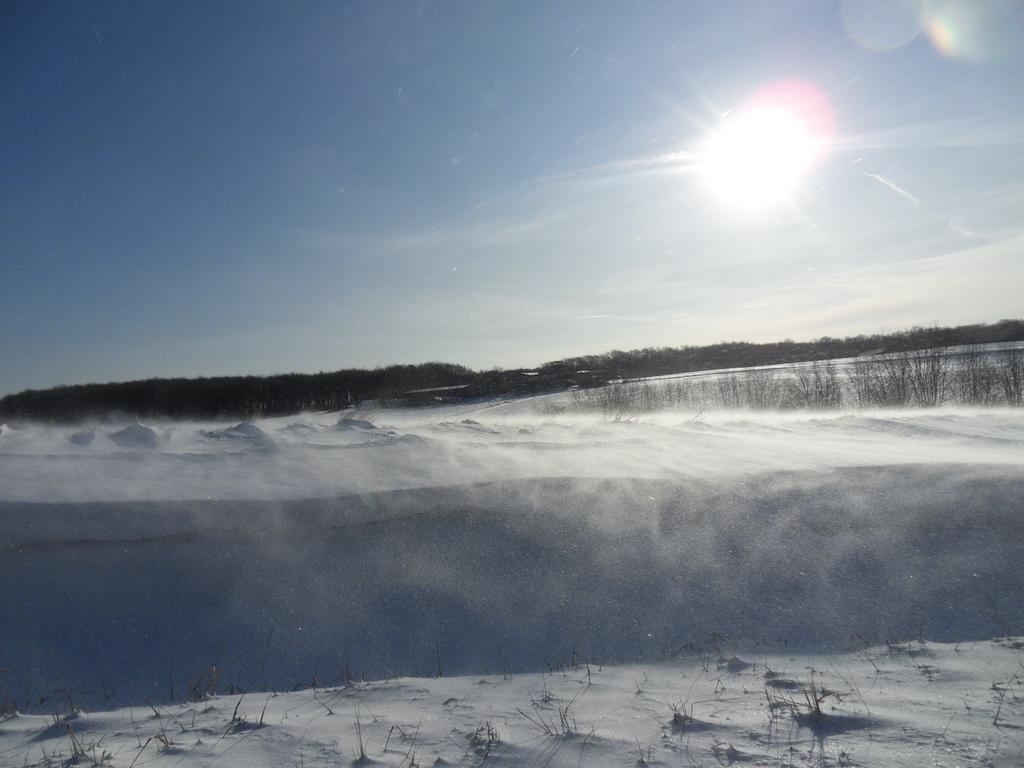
(756, 158)
(759, 153)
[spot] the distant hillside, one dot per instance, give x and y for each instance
(240, 397)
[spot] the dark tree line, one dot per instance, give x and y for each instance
(228, 396)
(240, 397)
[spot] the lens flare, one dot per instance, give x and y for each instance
(882, 25)
(975, 29)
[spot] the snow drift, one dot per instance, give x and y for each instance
(135, 436)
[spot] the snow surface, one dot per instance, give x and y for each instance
(907, 704)
(516, 538)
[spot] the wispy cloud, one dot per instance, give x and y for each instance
(954, 287)
(677, 161)
(961, 225)
(964, 132)
(480, 232)
(617, 318)
(894, 187)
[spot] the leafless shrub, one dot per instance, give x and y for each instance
(929, 376)
(203, 685)
(566, 718)
(762, 389)
(975, 379)
(754, 390)
(1010, 365)
(484, 739)
(241, 723)
(895, 387)
(77, 750)
(883, 381)
(683, 720)
(926, 378)
(861, 382)
(817, 385)
(361, 757)
(619, 401)
(804, 709)
(730, 393)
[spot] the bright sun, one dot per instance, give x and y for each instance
(756, 158)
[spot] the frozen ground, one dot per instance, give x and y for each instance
(508, 539)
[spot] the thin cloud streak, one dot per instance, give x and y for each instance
(679, 161)
(940, 134)
(617, 318)
(894, 187)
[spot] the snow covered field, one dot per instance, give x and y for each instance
(908, 704)
(556, 555)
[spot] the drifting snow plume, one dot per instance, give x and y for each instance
(509, 575)
(136, 436)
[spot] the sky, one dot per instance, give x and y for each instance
(192, 188)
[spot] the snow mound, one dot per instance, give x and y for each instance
(300, 428)
(468, 425)
(136, 436)
(245, 435)
(85, 437)
(245, 432)
(349, 423)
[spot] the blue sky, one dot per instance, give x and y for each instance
(247, 187)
